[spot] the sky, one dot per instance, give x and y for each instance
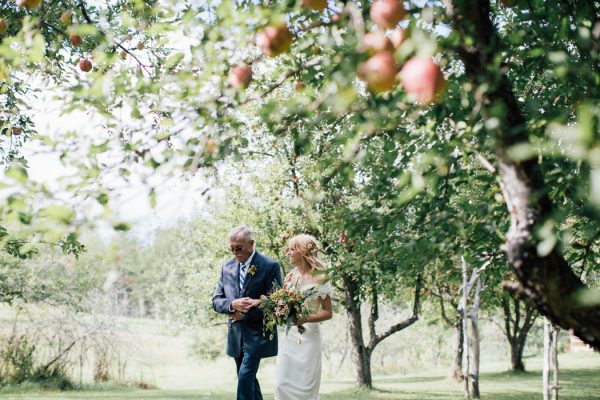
(177, 197)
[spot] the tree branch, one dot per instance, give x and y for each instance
(547, 280)
(375, 340)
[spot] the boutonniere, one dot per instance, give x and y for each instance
(252, 270)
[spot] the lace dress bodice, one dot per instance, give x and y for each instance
(318, 292)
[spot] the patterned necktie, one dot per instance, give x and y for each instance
(242, 275)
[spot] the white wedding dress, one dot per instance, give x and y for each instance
(298, 368)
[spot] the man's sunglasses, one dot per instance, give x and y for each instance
(236, 249)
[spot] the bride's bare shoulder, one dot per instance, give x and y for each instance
(320, 278)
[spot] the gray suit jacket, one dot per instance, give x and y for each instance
(249, 331)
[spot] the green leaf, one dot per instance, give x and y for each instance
(123, 227)
(83, 30)
(58, 213)
(17, 172)
(102, 198)
(152, 198)
(38, 47)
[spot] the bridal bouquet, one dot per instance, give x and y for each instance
(281, 307)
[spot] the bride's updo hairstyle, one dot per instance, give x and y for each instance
(308, 247)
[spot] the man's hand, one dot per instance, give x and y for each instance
(243, 304)
(236, 316)
(255, 302)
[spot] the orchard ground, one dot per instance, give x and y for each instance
(161, 358)
(578, 381)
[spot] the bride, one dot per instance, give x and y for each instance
(298, 368)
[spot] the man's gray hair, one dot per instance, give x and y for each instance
(243, 231)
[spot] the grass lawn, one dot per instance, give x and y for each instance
(579, 379)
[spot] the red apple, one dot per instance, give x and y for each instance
(240, 76)
(379, 72)
(376, 42)
(75, 40)
(397, 36)
(3, 25)
(66, 17)
(422, 79)
(274, 40)
(85, 65)
(318, 5)
(336, 18)
(387, 13)
(17, 131)
(298, 86)
(342, 237)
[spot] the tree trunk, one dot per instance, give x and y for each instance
(554, 362)
(362, 355)
(546, 279)
(550, 361)
(457, 349)
(363, 369)
(516, 328)
(546, 365)
(465, 328)
(516, 356)
(475, 341)
(456, 373)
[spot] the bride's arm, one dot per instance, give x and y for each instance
(323, 315)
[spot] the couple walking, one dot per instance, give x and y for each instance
(242, 281)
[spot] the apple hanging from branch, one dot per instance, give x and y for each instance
(240, 76)
(379, 72)
(66, 18)
(75, 40)
(422, 79)
(387, 13)
(376, 42)
(274, 40)
(85, 65)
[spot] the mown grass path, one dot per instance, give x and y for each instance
(579, 380)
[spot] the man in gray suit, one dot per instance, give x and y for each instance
(242, 281)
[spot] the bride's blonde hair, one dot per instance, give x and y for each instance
(308, 247)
